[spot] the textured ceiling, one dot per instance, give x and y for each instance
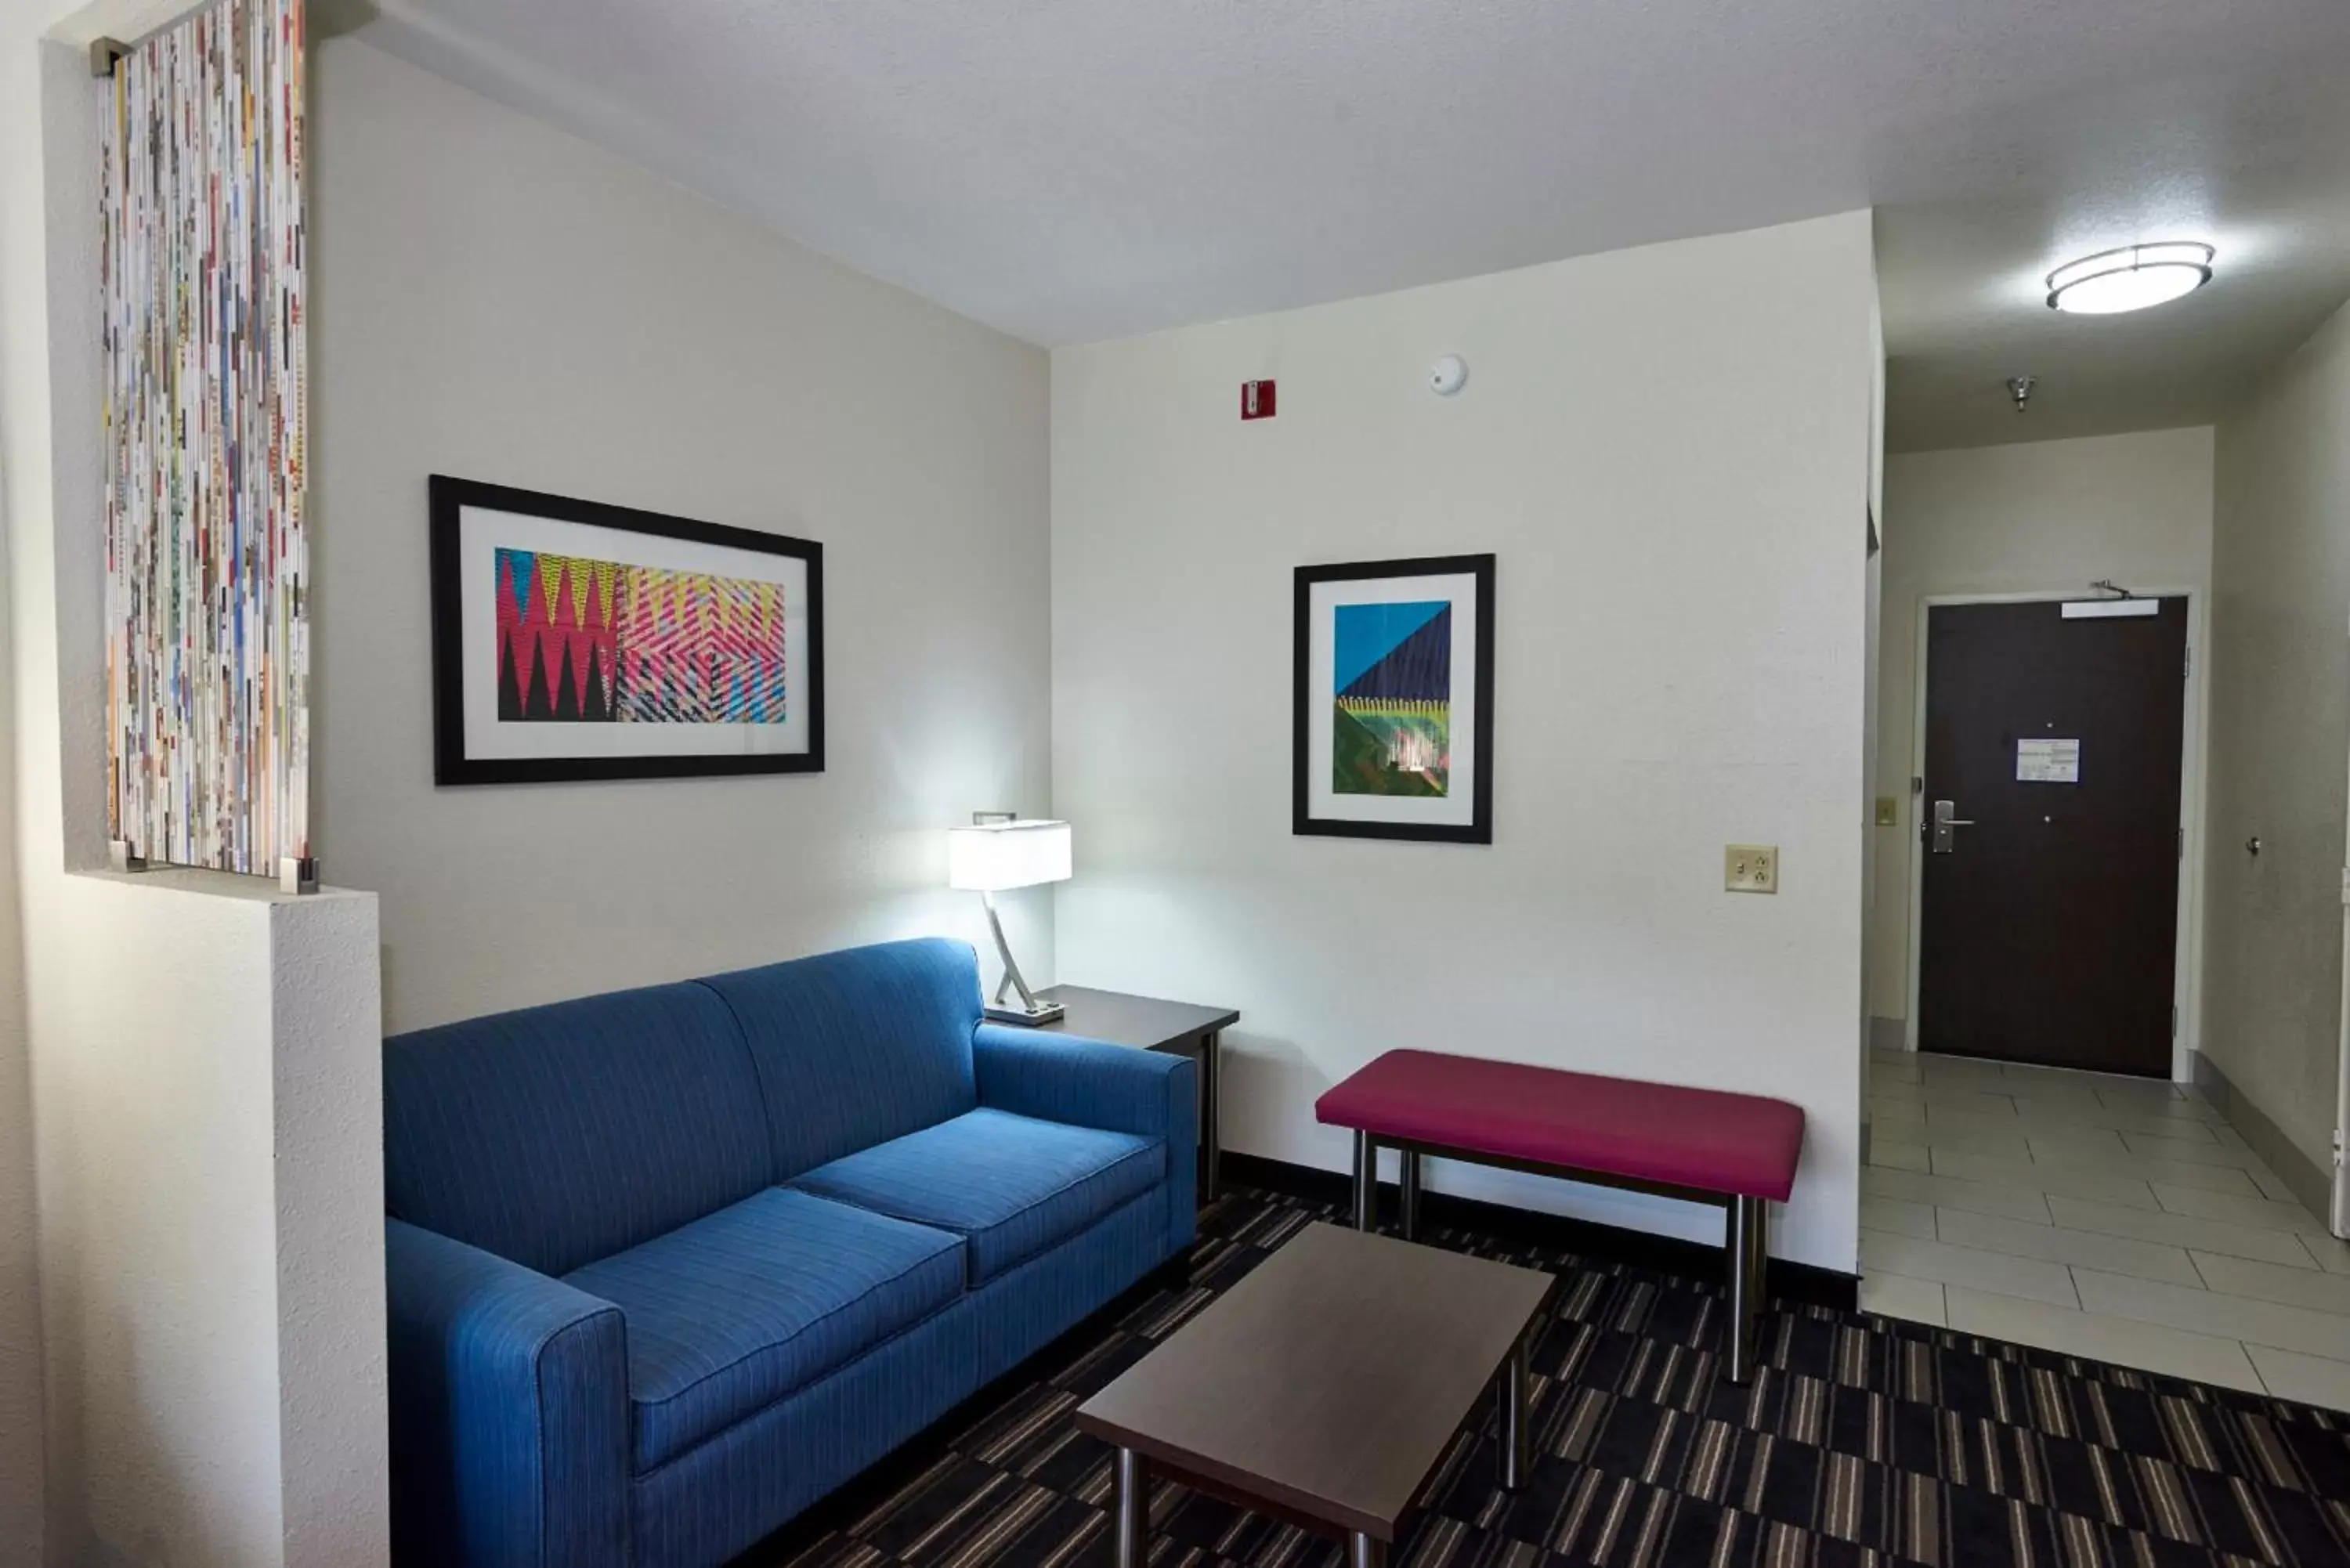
(1070, 170)
(1965, 307)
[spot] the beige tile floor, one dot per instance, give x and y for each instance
(2115, 1218)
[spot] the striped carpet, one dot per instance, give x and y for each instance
(1861, 1441)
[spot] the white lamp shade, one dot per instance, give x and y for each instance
(997, 855)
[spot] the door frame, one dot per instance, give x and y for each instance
(2338, 1220)
(2186, 977)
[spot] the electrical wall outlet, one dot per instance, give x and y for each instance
(1750, 867)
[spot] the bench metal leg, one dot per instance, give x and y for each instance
(1514, 1418)
(1363, 1552)
(1410, 1179)
(1367, 1182)
(1748, 1248)
(1761, 1232)
(1132, 1520)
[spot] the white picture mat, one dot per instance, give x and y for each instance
(1457, 808)
(483, 531)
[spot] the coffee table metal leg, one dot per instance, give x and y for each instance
(1513, 1394)
(1410, 1175)
(1367, 1182)
(1364, 1551)
(1132, 1522)
(1745, 1220)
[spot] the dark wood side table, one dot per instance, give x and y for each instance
(1148, 1024)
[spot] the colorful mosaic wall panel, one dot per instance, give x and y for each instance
(204, 277)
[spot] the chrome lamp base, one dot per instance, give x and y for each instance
(1031, 1009)
(1043, 1013)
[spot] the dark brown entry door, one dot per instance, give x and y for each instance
(2051, 905)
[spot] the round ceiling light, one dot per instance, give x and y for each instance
(2130, 279)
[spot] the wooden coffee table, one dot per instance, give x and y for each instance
(1325, 1387)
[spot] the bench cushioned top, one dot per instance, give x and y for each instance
(1744, 1145)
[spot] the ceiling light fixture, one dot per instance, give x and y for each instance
(2130, 279)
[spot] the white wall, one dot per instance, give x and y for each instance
(1669, 450)
(499, 300)
(2037, 517)
(2281, 742)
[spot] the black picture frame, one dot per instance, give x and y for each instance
(449, 497)
(1479, 830)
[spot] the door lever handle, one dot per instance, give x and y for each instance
(1946, 819)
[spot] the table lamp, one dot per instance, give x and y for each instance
(996, 853)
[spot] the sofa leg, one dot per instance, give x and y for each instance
(1409, 1187)
(1367, 1182)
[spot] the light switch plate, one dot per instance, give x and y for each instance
(1888, 811)
(1750, 867)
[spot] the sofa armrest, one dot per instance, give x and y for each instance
(509, 1410)
(1087, 1082)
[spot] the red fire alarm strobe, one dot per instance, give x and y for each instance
(1256, 399)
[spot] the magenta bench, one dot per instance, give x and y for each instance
(1735, 1150)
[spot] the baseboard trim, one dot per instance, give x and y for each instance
(1789, 1280)
(2310, 1183)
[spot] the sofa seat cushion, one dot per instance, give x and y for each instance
(1013, 1185)
(733, 1311)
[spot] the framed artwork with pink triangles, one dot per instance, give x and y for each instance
(578, 639)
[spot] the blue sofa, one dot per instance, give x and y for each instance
(668, 1265)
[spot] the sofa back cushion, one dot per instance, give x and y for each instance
(858, 1047)
(560, 1135)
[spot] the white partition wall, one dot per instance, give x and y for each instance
(212, 1216)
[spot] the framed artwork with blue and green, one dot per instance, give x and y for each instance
(1394, 690)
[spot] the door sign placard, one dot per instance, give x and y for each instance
(2048, 762)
